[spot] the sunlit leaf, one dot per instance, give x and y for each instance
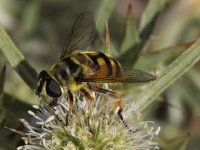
(169, 75)
(17, 60)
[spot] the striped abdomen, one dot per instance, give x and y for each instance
(108, 66)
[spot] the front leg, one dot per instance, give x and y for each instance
(53, 103)
(71, 100)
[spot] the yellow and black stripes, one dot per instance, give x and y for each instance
(65, 70)
(109, 67)
(71, 65)
(116, 67)
(101, 60)
(90, 66)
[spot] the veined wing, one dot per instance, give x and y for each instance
(81, 34)
(133, 76)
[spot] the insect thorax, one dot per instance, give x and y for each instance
(67, 70)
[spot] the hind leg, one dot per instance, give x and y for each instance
(109, 93)
(71, 100)
(113, 95)
(91, 99)
(87, 94)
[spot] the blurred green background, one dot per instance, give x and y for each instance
(152, 33)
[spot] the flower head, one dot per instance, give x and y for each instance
(89, 126)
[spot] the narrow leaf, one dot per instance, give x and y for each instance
(30, 16)
(193, 76)
(107, 39)
(103, 13)
(150, 61)
(108, 46)
(149, 18)
(131, 35)
(17, 60)
(168, 76)
(148, 29)
(2, 81)
(129, 57)
(189, 93)
(150, 13)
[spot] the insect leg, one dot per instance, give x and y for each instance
(86, 93)
(107, 92)
(53, 103)
(89, 97)
(71, 100)
(114, 95)
(71, 105)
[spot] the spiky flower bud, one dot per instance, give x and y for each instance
(90, 126)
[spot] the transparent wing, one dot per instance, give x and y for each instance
(81, 34)
(132, 76)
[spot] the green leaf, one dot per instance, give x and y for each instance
(193, 76)
(17, 60)
(131, 35)
(103, 13)
(149, 19)
(168, 76)
(150, 61)
(129, 57)
(108, 46)
(148, 29)
(189, 94)
(15, 106)
(30, 16)
(2, 82)
(149, 15)
(13, 109)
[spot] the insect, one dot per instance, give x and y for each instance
(78, 69)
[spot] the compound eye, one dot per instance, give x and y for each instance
(43, 74)
(53, 89)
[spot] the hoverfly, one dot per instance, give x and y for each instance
(78, 69)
